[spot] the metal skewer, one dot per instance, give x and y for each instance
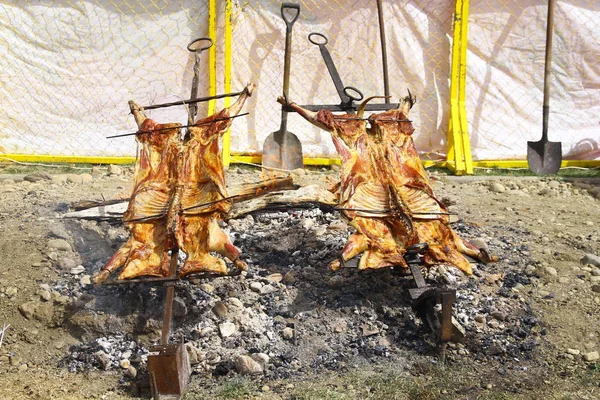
(177, 127)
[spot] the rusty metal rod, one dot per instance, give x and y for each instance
(177, 127)
(166, 327)
(389, 211)
(191, 101)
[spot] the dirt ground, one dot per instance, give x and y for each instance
(532, 319)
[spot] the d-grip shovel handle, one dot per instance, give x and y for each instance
(289, 22)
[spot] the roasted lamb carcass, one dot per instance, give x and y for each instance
(397, 163)
(203, 198)
(363, 200)
(385, 194)
(145, 253)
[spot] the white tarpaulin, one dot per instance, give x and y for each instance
(69, 68)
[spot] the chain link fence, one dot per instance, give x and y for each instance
(69, 67)
(418, 48)
(506, 74)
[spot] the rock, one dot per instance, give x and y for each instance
(493, 278)
(287, 333)
(563, 280)
(499, 315)
(596, 288)
(74, 178)
(289, 278)
(65, 263)
(37, 177)
(299, 171)
(494, 324)
(553, 184)
(59, 232)
(77, 270)
(97, 171)
(45, 295)
(591, 356)
(220, 309)
(275, 278)
(204, 332)
(235, 302)
(59, 244)
(336, 281)
(338, 226)
(131, 372)
(208, 288)
(59, 344)
(267, 289)
(125, 363)
(11, 291)
(573, 352)
(85, 280)
(550, 271)
(86, 178)
(497, 187)
(530, 270)
(595, 271)
(256, 286)
(28, 309)
(246, 365)
(591, 259)
(369, 330)
(261, 358)
(103, 359)
(479, 318)
(114, 170)
(22, 368)
(227, 329)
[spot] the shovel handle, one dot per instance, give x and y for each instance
(289, 21)
(547, 69)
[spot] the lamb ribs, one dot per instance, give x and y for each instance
(385, 194)
(179, 196)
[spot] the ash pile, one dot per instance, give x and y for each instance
(289, 314)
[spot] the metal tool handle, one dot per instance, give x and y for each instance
(547, 69)
(289, 22)
(356, 96)
(333, 72)
(386, 82)
(200, 44)
(196, 46)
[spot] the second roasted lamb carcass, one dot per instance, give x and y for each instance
(384, 192)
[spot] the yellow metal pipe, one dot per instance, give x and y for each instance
(462, 90)
(212, 55)
(459, 148)
(41, 158)
(227, 77)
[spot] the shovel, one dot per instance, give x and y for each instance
(282, 149)
(544, 157)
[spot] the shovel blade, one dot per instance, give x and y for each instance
(544, 157)
(282, 150)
